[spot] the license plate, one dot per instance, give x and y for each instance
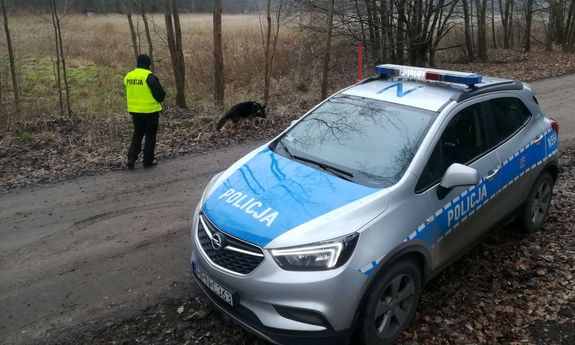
(212, 285)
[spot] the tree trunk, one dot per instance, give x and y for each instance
(570, 24)
(526, 44)
(63, 60)
(219, 86)
(133, 36)
(148, 38)
(481, 28)
(390, 41)
(175, 55)
(493, 37)
(400, 35)
(505, 22)
(373, 45)
(361, 22)
(384, 24)
(170, 37)
(557, 20)
(181, 81)
(11, 58)
(267, 69)
(326, 57)
(468, 37)
(57, 49)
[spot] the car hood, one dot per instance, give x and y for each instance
(267, 198)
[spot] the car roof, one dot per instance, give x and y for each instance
(425, 94)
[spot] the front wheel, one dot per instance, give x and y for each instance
(390, 304)
(533, 215)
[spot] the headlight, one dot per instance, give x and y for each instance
(316, 257)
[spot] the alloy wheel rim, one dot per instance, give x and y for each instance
(394, 306)
(540, 203)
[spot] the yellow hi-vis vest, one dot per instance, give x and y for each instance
(138, 94)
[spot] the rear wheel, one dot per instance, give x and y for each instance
(534, 214)
(390, 304)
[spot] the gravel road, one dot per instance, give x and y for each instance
(105, 247)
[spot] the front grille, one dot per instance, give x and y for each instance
(234, 255)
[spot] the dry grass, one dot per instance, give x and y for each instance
(99, 53)
(40, 145)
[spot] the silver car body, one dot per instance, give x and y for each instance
(391, 222)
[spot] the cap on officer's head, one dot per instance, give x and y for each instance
(144, 61)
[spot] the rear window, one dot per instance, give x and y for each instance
(509, 115)
(373, 140)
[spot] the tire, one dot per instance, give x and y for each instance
(390, 304)
(534, 213)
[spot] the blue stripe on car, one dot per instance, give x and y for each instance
(444, 221)
(270, 195)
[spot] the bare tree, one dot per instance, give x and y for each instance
(481, 29)
(148, 35)
(327, 52)
(270, 43)
(526, 43)
(569, 35)
(128, 10)
(506, 13)
(11, 58)
(219, 83)
(557, 16)
(493, 37)
(60, 58)
(180, 96)
(468, 35)
(57, 69)
(394, 30)
(174, 36)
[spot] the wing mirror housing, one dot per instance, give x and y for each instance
(457, 175)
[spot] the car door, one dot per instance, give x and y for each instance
(464, 213)
(520, 145)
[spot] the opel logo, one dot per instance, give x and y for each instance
(217, 242)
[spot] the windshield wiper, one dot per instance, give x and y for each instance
(346, 175)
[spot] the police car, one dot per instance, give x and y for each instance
(329, 232)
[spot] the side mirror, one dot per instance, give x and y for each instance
(457, 175)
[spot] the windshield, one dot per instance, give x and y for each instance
(371, 141)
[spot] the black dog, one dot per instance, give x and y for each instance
(242, 111)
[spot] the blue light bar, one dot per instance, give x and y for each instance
(469, 79)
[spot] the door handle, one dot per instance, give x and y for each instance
(491, 174)
(539, 139)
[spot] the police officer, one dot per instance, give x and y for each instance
(144, 95)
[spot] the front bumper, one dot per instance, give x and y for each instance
(262, 296)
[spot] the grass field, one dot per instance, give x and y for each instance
(99, 52)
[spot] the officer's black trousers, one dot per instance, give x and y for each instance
(144, 125)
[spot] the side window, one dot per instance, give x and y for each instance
(509, 115)
(463, 140)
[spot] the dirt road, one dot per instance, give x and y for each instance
(102, 247)
(99, 246)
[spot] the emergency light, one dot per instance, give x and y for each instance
(469, 79)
